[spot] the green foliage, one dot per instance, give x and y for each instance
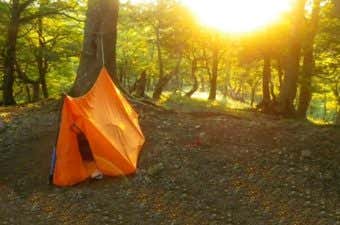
(144, 26)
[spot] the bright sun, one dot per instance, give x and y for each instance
(238, 16)
(235, 16)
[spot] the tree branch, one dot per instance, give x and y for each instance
(24, 5)
(22, 75)
(37, 15)
(72, 17)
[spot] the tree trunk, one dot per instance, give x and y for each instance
(308, 63)
(280, 72)
(10, 54)
(159, 53)
(140, 85)
(41, 58)
(202, 81)
(337, 121)
(36, 92)
(226, 84)
(325, 106)
(26, 80)
(289, 86)
(100, 32)
(194, 77)
(44, 88)
(306, 83)
(28, 93)
(163, 81)
(337, 116)
(253, 91)
(214, 74)
(337, 97)
(265, 105)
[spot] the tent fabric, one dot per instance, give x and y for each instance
(111, 127)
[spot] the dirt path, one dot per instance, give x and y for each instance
(193, 170)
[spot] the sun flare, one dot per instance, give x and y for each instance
(237, 16)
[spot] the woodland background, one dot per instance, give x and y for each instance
(289, 68)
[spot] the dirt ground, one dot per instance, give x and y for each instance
(194, 169)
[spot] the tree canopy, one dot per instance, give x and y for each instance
(289, 67)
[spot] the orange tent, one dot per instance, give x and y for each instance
(111, 127)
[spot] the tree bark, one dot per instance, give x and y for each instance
(214, 74)
(308, 63)
(265, 105)
(17, 17)
(280, 71)
(10, 54)
(202, 81)
(337, 121)
(41, 58)
(100, 31)
(337, 97)
(253, 92)
(163, 81)
(140, 85)
(159, 52)
(194, 77)
(25, 79)
(289, 86)
(28, 93)
(36, 92)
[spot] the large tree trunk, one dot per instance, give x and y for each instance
(10, 54)
(100, 31)
(308, 63)
(214, 74)
(289, 87)
(194, 77)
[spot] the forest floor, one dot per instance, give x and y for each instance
(195, 169)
